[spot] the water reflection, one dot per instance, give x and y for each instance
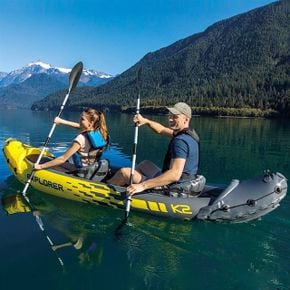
(89, 232)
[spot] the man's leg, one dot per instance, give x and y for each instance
(122, 177)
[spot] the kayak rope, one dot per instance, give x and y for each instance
(249, 202)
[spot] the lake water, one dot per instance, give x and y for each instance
(152, 253)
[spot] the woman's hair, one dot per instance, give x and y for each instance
(99, 122)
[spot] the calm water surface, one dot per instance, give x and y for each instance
(153, 253)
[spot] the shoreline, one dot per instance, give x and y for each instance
(219, 112)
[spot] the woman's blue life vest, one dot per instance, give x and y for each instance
(98, 145)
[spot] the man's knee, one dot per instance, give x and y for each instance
(125, 172)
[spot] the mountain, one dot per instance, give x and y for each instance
(243, 61)
(88, 78)
(2, 75)
(22, 87)
(23, 94)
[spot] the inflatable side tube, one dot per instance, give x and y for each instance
(205, 212)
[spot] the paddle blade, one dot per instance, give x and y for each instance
(75, 75)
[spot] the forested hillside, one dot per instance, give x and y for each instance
(241, 62)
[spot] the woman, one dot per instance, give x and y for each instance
(81, 148)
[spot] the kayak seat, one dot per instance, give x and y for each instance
(95, 172)
(192, 187)
(101, 170)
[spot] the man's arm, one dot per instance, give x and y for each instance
(155, 126)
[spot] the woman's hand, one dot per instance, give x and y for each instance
(37, 166)
(58, 120)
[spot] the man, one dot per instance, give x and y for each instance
(181, 160)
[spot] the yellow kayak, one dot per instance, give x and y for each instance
(238, 201)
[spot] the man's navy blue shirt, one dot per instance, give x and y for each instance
(185, 147)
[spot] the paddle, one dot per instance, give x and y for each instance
(128, 196)
(73, 80)
(128, 199)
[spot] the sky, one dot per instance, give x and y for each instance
(106, 35)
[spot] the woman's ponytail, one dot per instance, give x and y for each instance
(102, 125)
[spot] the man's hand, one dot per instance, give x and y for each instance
(140, 120)
(135, 188)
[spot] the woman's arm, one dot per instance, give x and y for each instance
(61, 159)
(60, 121)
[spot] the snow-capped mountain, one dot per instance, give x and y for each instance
(88, 77)
(21, 87)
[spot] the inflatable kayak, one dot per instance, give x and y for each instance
(238, 201)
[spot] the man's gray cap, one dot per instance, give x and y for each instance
(180, 108)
